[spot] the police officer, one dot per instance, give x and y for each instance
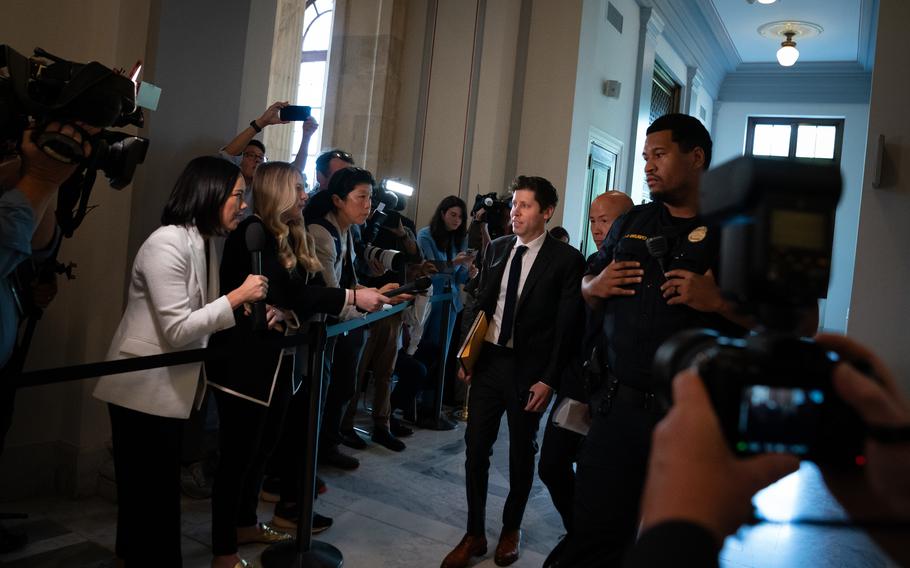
(648, 290)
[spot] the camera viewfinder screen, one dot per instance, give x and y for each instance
(778, 419)
(798, 229)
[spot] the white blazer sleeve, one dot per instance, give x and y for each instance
(166, 267)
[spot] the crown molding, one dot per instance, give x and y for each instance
(868, 26)
(819, 82)
(695, 31)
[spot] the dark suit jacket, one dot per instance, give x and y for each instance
(549, 316)
(249, 370)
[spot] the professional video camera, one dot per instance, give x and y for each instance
(389, 198)
(772, 390)
(495, 210)
(46, 88)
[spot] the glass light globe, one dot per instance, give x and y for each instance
(787, 55)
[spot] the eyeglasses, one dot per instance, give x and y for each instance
(254, 156)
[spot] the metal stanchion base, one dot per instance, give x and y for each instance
(284, 555)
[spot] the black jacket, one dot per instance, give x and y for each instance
(250, 368)
(549, 315)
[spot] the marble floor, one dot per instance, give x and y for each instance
(408, 509)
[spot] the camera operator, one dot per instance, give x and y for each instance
(645, 301)
(697, 492)
(27, 230)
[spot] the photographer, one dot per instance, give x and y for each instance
(331, 215)
(697, 492)
(27, 230)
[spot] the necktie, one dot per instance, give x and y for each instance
(508, 311)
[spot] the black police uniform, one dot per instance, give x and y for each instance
(613, 462)
(560, 447)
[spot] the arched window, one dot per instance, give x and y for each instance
(314, 66)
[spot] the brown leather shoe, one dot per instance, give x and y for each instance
(509, 547)
(469, 547)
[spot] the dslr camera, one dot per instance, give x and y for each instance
(45, 88)
(495, 210)
(389, 198)
(772, 390)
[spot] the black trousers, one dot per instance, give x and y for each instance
(343, 364)
(412, 377)
(611, 476)
(249, 434)
(494, 390)
(147, 465)
(558, 453)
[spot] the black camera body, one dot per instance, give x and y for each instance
(46, 88)
(495, 212)
(772, 390)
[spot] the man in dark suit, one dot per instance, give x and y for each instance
(532, 299)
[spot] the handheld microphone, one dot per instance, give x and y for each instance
(255, 242)
(658, 247)
(418, 285)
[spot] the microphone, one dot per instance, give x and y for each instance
(418, 285)
(255, 242)
(658, 248)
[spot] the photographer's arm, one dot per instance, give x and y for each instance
(271, 116)
(309, 127)
(881, 404)
(695, 485)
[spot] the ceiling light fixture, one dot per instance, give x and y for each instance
(788, 54)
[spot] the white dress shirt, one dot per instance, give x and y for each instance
(527, 261)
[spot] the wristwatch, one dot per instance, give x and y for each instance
(255, 126)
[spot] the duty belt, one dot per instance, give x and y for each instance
(616, 391)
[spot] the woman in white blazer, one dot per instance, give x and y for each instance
(172, 305)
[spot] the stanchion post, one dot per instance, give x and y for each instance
(440, 422)
(304, 552)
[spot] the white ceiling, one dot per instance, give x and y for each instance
(840, 40)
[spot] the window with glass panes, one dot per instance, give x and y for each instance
(795, 138)
(314, 67)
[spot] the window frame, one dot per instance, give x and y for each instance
(794, 124)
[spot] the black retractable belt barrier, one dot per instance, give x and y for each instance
(303, 552)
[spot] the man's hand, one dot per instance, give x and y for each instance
(540, 397)
(272, 115)
(309, 126)
(698, 291)
(611, 279)
(693, 475)
(40, 167)
(463, 375)
(878, 404)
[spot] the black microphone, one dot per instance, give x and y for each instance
(255, 242)
(418, 285)
(658, 247)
